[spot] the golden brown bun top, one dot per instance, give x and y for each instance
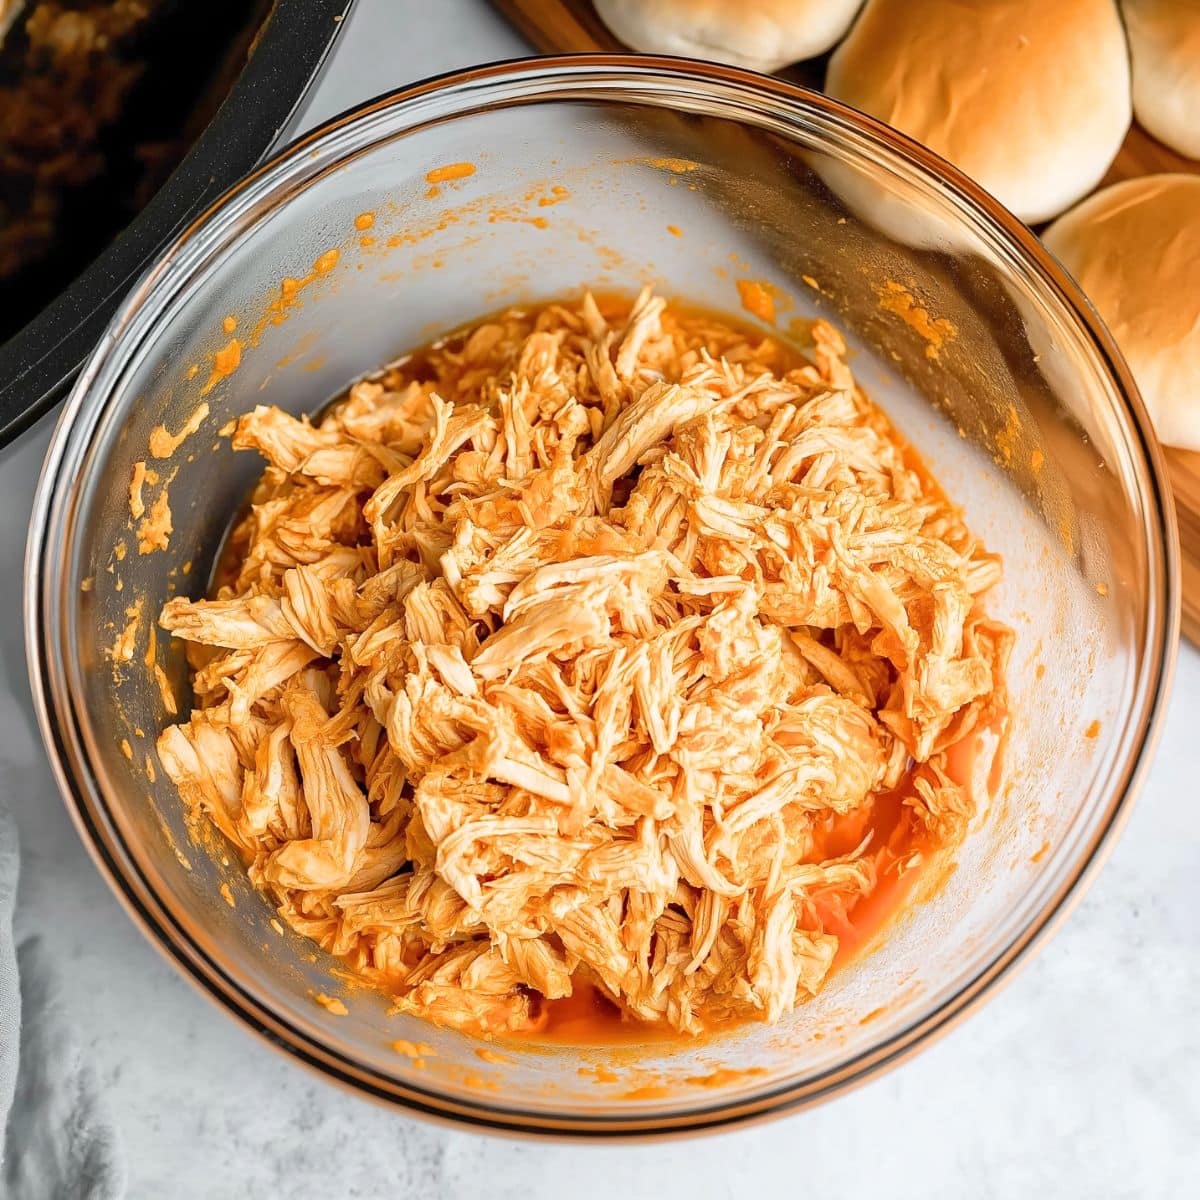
(1164, 40)
(763, 35)
(1029, 97)
(1134, 249)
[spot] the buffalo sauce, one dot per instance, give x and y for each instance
(902, 850)
(587, 1017)
(903, 854)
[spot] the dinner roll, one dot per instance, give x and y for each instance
(1164, 39)
(1029, 98)
(763, 35)
(1134, 248)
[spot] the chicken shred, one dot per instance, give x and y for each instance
(557, 654)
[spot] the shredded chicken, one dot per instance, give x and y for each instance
(568, 650)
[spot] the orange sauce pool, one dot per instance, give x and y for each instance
(589, 1018)
(896, 840)
(903, 854)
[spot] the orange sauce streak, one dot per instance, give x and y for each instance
(163, 443)
(674, 231)
(364, 220)
(413, 1049)
(453, 171)
(494, 1056)
(897, 299)
(756, 300)
(724, 1075)
(600, 1073)
(557, 195)
(225, 362)
(479, 1084)
(516, 216)
(290, 288)
(648, 1092)
(331, 1004)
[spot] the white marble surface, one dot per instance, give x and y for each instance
(1082, 1077)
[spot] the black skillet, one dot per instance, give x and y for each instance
(39, 362)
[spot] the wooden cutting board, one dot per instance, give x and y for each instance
(572, 27)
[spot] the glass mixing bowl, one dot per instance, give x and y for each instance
(610, 172)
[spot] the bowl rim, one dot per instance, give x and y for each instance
(56, 707)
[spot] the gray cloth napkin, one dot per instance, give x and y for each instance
(58, 1140)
